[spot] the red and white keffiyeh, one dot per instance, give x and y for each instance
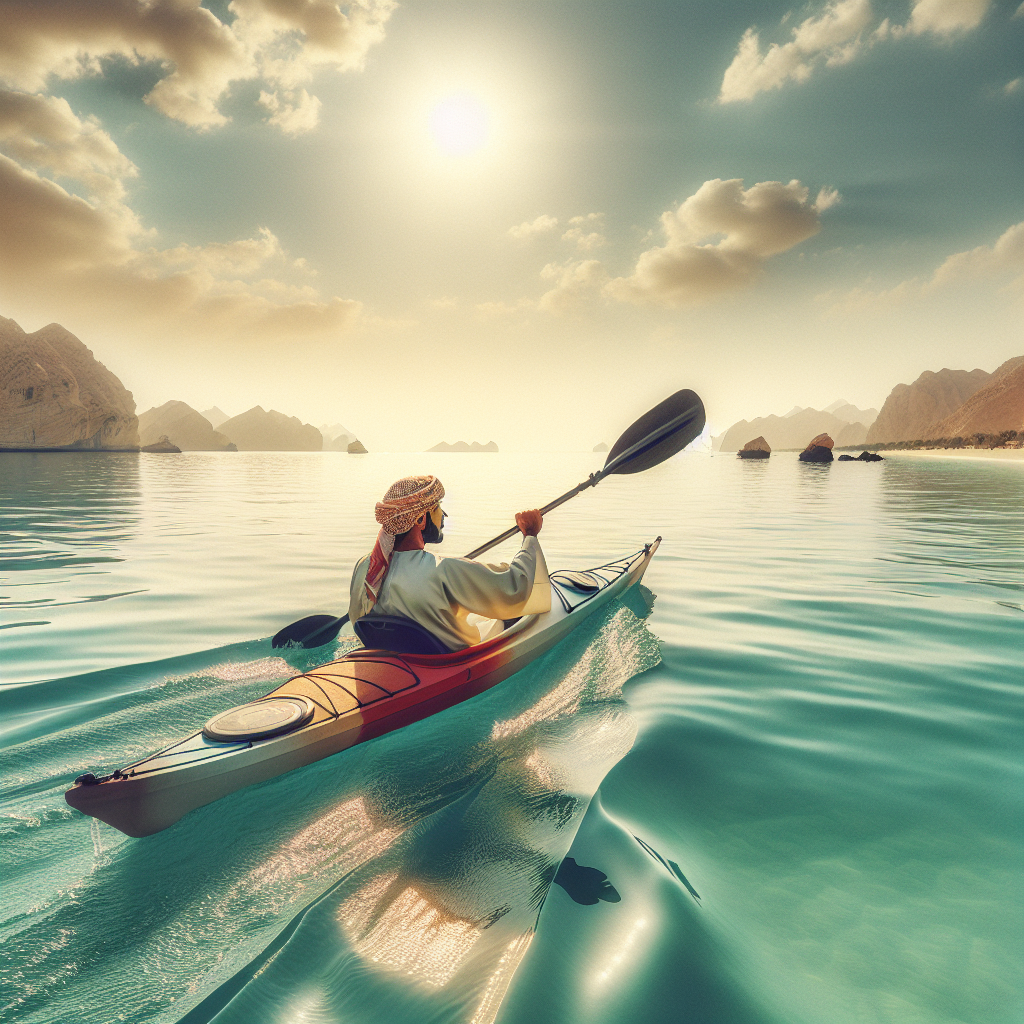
(407, 499)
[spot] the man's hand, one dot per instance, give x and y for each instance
(530, 522)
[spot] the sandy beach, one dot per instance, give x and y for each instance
(1003, 454)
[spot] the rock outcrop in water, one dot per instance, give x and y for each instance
(462, 446)
(260, 431)
(819, 450)
(186, 428)
(996, 406)
(912, 410)
(55, 394)
(756, 449)
(863, 457)
(356, 448)
(164, 446)
(601, 447)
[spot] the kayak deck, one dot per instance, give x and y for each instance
(364, 694)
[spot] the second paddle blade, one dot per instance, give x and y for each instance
(666, 429)
(299, 632)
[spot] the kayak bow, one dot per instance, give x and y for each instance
(364, 694)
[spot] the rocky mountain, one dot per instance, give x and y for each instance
(215, 416)
(461, 446)
(184, 427)
(54, 393)
(911, 410)
(793, 430)
(601, 447)
(996, 406)
(258, 430)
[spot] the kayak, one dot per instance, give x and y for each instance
(364, 694)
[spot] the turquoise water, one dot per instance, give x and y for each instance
(816, 735)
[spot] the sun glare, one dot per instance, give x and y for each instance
(460, 125)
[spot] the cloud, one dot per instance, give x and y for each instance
(833, 37)
(718, 240)
(836, 36)
(575, 285)
(281, 42)
(999, 261)
(946, 17)
(1013, 86)
(580, 234)
(297, 112)
(529, 228)
(78, 254)
(43, 132)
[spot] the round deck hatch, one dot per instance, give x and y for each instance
(259, 719)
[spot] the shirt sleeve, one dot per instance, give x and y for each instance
(358, 599)
(500, 591)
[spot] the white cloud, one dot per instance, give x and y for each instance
(581, 232)
(281, 42)
(833, 37)
(1013, 86)
(539, 226)
(297, 112)
(946, 17)
(718, 240)
(836, 36)
(574, 285)
(1002, 260)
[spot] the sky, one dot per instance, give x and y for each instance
(523, 221)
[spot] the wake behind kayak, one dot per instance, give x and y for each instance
(364, 694)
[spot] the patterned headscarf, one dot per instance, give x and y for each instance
(407, 499)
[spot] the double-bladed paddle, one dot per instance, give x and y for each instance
(666, 429)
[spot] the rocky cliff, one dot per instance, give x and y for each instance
(55, 394)
(261, 431)
(184, 427)
(996, 406)
(911, 410)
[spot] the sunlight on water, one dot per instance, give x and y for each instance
(817, 730)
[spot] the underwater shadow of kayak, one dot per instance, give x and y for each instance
(457, 822)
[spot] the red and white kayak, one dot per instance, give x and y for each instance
(364, 694)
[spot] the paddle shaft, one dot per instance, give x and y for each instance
(513, 530)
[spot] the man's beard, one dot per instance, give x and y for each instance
(432, 534)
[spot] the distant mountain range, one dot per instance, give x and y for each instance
(843, 422)
(939, 404)
(182, 426)
(462, 446)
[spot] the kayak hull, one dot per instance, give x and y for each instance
(361, 696)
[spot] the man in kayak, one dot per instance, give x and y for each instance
(400, 578)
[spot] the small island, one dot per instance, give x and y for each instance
(462, 446)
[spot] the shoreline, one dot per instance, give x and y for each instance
(999, 454)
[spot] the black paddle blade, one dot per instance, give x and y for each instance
(666, 429)
(307, 629)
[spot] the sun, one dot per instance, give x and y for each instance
(460, 124)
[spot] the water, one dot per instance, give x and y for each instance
(815, 734)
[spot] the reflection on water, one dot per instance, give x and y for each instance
(812, 801)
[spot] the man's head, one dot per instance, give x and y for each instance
(413, 501)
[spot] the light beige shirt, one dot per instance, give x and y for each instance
(440, 593)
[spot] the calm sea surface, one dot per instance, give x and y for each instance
(801, 772)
